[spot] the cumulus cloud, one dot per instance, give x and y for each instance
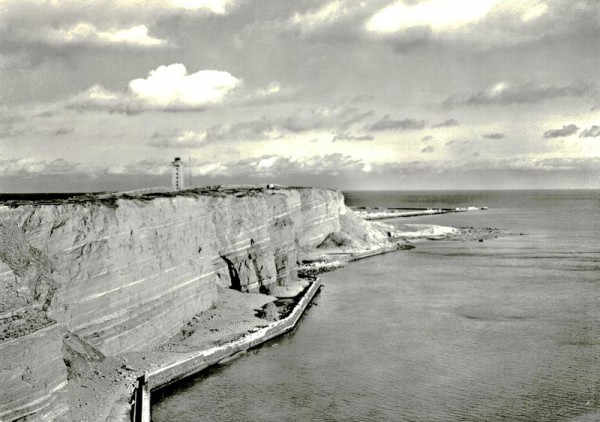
(592, 132)
(167, 88)
(503, 93)
(261, 129)
(387, 123)
(325, 117)
(495, 135)
(566, 130)
(446, 123)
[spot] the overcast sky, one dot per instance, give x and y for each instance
(380, 94)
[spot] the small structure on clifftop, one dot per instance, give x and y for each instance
(177, 177)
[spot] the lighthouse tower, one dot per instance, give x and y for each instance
(177, 177)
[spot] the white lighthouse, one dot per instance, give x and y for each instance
(177, 177)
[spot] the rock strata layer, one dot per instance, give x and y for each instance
(125, 273)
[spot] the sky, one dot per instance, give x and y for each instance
(381, 94)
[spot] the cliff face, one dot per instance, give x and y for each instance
(126, 275)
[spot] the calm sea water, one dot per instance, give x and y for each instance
(504, 330)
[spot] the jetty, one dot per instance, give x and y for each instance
(378, 213)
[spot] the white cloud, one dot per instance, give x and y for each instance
(534, 11)
(439, 15)
(218, 7)
(504, 93)
(172, 86)
(450, 15)
(328, 14)
(210, 169)
(480, 22)
(87, 33)
(28, 166)
(261, 129)
(168, 88)
(272, 88)
(266, 162)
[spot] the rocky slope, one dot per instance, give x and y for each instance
(125, 272)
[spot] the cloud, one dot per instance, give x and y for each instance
(426, 138)
(261, 129)
(330, 164)
(252, 167)
(494, 135)
(62, 131)
(32, 166)
(446, 123)
(323, 16)
(338, 18)
(481, 24)
(172, 86)
(219, 7)
(437, 15)
(592, 132)
(350, 137)
(566, 130)
(138, 7)
(325, 117)
(32, 31)
(167, 88)
(386, 123)
(148, 166)
(428, 149)
(87, 33)
(502, 93)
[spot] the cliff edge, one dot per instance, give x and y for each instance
(123, 273)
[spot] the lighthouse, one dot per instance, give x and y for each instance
(177, 177)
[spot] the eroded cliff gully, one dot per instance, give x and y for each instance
(124, 272)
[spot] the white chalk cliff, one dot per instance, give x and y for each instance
(125, 272)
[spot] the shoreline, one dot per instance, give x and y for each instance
(191, 365)
(203, 341)
(196, 362)
(201, 360)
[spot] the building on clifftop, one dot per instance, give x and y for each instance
(177, 177)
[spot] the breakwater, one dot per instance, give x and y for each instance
(385, 213)
(196, 362)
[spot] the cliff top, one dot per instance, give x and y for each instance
(110, 198)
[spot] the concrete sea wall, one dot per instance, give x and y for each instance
(190, 365)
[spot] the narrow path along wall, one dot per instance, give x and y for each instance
(125, 274)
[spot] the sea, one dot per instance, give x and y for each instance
(507, 329)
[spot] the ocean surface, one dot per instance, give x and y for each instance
(501, 330)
